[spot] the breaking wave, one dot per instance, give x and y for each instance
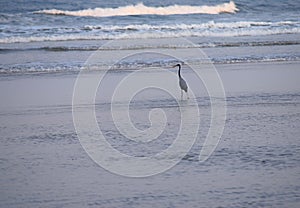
(150, 34)
(141, 9)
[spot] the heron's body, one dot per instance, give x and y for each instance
(182, 83)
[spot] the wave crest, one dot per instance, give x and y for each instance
(141, 9)
(113, 32)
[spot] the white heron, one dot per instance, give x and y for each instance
(182, 83)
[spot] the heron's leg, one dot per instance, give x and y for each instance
(181, 94)
(187, 95)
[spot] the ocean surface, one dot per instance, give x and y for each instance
(254, 47)
(54, 29)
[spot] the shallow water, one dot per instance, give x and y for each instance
(256, 163)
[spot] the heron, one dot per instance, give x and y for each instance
(182, 83)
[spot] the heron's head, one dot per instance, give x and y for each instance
(177, 65)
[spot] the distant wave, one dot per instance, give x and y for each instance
(210, 29)
(141, 9)
(208, 25)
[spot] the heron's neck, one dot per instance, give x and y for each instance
(179, 72)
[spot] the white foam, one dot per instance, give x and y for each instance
(209, 29)
(141, 9)
(208, 25)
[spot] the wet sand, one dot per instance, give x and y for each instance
(256, 163)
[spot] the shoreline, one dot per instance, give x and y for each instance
(70, 56)
(219, 66)
(56, 88)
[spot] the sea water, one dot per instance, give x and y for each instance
(45, 30)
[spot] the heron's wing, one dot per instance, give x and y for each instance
(183, 85)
